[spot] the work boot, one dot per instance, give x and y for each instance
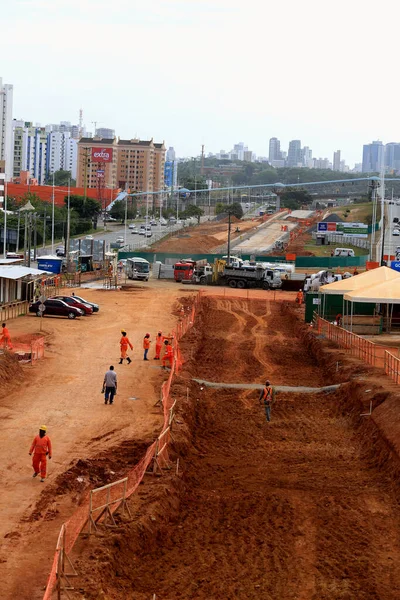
(35, 474)
(42, 480)
(129, 360)
(121, 360)
(105, 402)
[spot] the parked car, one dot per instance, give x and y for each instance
(57, 308)
(89, 237)
(60, 251)
(73, 301)
(95, 306)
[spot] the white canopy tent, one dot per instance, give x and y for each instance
(387, 292)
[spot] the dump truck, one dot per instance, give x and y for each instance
(250, 276)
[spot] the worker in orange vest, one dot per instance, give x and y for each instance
(146, 345)
(6, 338)
(124, 343)
(169, 354)
(299, 297)
(41, 448)
(266, 398)
(159, 342)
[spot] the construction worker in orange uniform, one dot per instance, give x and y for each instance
(6, 338)
(299, 297)
(124, 343)
(41, 448)
(266, 397)
(159, 342)
(146, 345)
(169, 354)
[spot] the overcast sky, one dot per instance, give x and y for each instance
(209, 72)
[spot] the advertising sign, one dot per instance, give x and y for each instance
(100, 173)
(103, 155)
(395, 265)
(168, 173)
(350, 229)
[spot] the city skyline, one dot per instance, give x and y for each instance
(177, 90)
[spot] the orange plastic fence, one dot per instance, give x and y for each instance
(78, 520)
(368, 351)
(29, 352)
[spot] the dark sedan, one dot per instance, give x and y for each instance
(95, 306)
(73, 301)
(56, 308)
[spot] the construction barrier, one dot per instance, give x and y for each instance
(371, 353)
(29, 352)
(110, 495)
(13, 310)
(392, 366)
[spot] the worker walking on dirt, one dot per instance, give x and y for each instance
(266, 398)
(299, 297)
(41, 448)
(146, 345)
(5, 339)
(124, 343)
(159, 342)
(169, 354)
(109, 385)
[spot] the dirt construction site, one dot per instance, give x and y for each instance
(305, 507)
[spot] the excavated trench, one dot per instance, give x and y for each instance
(305, 507)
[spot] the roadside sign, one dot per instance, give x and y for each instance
(42, 308)
(42, 299)
(349, 229)
(395, 265)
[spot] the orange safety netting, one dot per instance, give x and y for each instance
(159, 448)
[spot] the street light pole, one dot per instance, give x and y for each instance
(5, 220)
(52, 219)
(68, 225)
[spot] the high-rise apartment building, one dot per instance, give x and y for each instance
(140, 165)
(274, 150)
(105, 133)
(62, 153)
(171, 155)
(6, 132)
(306, 157)
(29, 150)
(294, 158)
(66, 127)
(97, 163)
(336, 161)
(392, 157)
(373, 155)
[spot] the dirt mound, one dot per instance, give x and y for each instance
(10, 369)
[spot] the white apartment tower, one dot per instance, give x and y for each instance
(6, 129)
(62, 153)
(336, 161)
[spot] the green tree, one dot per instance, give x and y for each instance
(61, 178)
(118, 209)
(234, 209)
(193, 211)
(295, 199)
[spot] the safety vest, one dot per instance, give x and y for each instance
(267, 397)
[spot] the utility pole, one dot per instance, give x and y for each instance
(5, 220)
(34, 235)
(52, 212)
(18, 226)
(229, 238)
(44, 227)
(68, 225)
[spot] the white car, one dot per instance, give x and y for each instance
(153, 222)
(148, 234)
(89, 237)
(142, 232)
(132, 226)
(134, 230)
(120, 240)
(396, 232)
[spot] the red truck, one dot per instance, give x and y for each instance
(183, 270)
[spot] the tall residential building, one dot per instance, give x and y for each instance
(6, 131)
(336, 161)
(29, 150)
(140, 165)
(171, 155)
(105, 133)
(294, 158)
(373, 155)
(274, 150)
(97, 163)
(62, 153)
(392, 157)
(66, 127)
(322, 163)
(248, 156)
(306, 157)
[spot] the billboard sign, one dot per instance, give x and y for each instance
(100, 173)
(349, 229)
(102, 155)
(168, 173)
(395, 265)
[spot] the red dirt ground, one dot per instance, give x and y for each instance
(303, 508)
